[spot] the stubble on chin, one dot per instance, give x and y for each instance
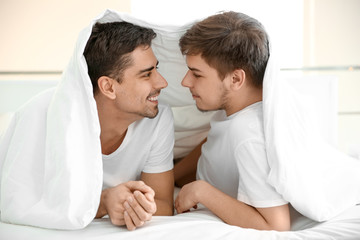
(151, 113)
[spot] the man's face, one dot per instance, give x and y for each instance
(204, 84)
(138, 92)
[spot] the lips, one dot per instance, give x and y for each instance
(194, 95)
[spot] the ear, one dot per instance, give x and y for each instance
(238, 78)
(107, 87)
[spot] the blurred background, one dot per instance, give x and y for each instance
(314, 38)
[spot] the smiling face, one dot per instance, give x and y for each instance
(205, 85)
(137, 94)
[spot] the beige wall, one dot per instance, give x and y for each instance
(40, 35)
(332, 38)
(332, 32)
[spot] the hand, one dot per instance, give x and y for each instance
(112, 200)
(139, 210)
(188, 196)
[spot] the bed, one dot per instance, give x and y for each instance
(201, 223)
(191, 127)
(198, 224)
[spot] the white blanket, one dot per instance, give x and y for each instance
(51, 154)
(50, 157)
(318, 180)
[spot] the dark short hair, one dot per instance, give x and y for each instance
(229, 41)
(108, 49)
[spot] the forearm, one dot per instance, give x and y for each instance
(185, 169)
(232, 211)
(163, 185)
(164, 208)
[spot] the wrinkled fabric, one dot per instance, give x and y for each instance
(317, 179)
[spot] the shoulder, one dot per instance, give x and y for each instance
(248, 125)
(164, 111)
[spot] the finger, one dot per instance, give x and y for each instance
(179, 208)
(150, 196)
(117, 216)
(142, 214)
(117, 221)
(148, 206)
(133, 215)
(139, 185)
(177, 202)
(129, 223)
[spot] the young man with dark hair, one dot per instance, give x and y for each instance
(137, 134)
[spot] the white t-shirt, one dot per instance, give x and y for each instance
(234, 158)
(147, 147)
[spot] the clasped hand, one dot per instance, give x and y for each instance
(131, 204)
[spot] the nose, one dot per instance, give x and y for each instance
(187, 82)
(160, 81)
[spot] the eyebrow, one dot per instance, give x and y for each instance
(194, 69)
(148, 69)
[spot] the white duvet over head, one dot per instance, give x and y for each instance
(317, 179)
(50, 157)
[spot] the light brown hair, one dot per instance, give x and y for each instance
(229, 41)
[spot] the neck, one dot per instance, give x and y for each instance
(242, 99)
(113, 126)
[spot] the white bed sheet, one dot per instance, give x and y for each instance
(198, 224)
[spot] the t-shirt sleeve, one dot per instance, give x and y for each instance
(161, 154)
(253, 188)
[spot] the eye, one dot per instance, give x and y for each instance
(147, 75)
(196, 75)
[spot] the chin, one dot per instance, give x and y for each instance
(203, 109)
(151, 114)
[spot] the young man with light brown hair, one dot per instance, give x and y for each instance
(227, 54)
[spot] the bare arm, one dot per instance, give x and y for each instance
(231, 210)
(163, 185)
(185, 169)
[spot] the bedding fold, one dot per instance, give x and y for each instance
(316, 178)
(52, 165)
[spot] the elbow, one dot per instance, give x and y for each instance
(282, 226)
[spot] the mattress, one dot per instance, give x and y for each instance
(198, 224)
